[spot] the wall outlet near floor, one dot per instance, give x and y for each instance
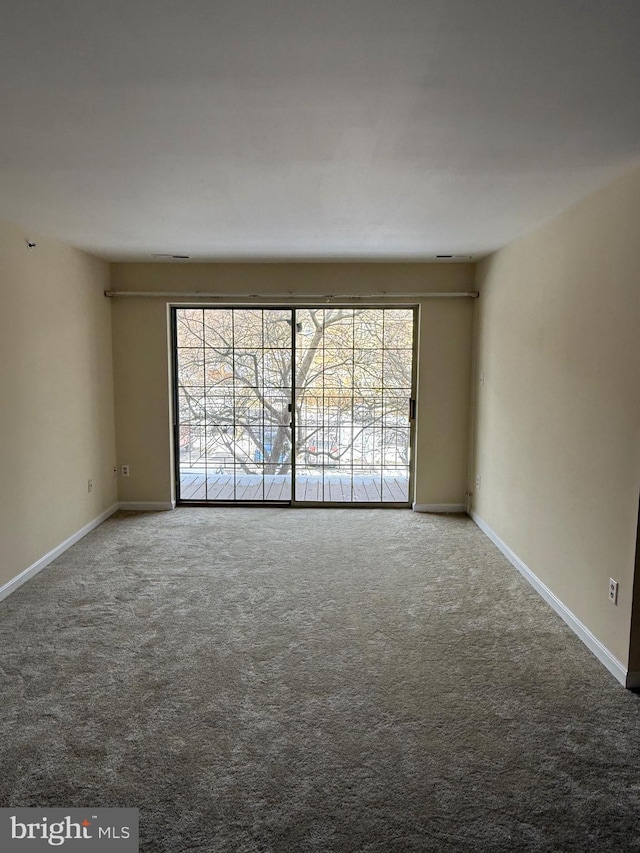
(478, 482)
(613, 591)
(125, 470)
(115, 471)
(89, 485)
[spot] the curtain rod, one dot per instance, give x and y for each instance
(234, 297)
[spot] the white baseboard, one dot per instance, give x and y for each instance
(439, 508)
(615, 667)
(147, 506)
(40, 564)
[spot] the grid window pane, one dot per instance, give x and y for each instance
(353, 429)
(234, 380)
(237, 397)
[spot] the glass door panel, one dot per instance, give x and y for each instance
(354, 380)
(233, 394)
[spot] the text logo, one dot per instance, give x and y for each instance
(101, 830)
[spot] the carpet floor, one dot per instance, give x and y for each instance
(312, 680)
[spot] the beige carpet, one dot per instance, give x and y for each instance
(312, 680)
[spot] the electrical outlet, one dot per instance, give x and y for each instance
(482, 377)
(613, 591)
(115, 471)
(89, 485)
(125, 470)
(478, 482)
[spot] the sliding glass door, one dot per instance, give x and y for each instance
(306, 405)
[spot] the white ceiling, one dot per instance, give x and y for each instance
(310, 128)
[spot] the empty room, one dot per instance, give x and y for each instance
(320, 419)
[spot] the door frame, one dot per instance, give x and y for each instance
(293, 306)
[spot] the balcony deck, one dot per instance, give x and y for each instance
(334, 487)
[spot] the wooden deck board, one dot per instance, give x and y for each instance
(217, 484)
(394, 490)
(372, 488)
(273, 490)
(189, 484)
(359, 491)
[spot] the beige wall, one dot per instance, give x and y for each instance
(142, 399)
(141, 356)
(444, 372)
(56, 396)
(557, 423)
